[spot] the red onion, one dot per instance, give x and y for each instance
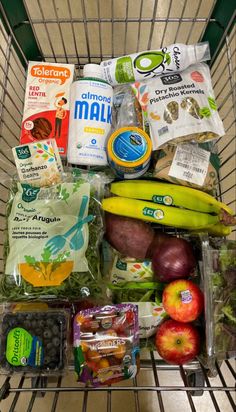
(158, 239)
(173, 259)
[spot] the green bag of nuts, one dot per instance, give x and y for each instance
(180, 107)
(190, 165)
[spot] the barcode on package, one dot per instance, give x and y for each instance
(195, 169)
(190, 163)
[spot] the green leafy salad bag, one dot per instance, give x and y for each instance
(53, 239)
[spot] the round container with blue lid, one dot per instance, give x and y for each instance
(129, 152)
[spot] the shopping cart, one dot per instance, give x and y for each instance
(79, 32)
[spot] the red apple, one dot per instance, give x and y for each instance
(182, 300)
(177, 342)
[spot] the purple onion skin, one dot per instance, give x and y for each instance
(157, 241)
(173, 259)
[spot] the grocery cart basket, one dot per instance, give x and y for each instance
(79, 32)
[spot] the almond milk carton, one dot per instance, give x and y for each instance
(46, 110)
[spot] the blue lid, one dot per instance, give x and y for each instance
(129, 146)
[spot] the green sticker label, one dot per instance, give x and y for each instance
(163, 200)
(124, 70)
(19, 344)
(23, 349)
(157, 214)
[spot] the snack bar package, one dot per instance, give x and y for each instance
(46, 109)
(188, 165)
(38, 163)
(106, 344)
(180, 107)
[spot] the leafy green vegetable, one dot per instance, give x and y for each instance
(15, 288)
(137, 292)
(222, 292)
(217, 279)
(229, 313)
(227, 255)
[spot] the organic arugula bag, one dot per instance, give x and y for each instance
(52, 247)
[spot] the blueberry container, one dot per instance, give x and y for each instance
(34, 341)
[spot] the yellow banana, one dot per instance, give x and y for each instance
(169, 194)
(217, 230)
(164, 215)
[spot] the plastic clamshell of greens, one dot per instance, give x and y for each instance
(219, 268)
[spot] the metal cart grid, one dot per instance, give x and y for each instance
(81, 32)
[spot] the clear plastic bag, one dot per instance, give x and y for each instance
(127, 110)
(147, 296)
(131, 280)
(106, 344)
(180, 107)
(53, 239)
(219, 268)
(189, 164)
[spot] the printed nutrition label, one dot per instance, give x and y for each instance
(190, 163)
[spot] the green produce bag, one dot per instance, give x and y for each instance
(147, 296)
(53, 239)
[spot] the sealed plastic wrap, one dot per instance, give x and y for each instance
(219, 267)
(34, 340)
(125, 269)
(131, 280)
(180, 107)
(190, 165)
(147, 296)
(152, 63)
(106, 344)
(127, 110)
(120, 269)
(53, 239)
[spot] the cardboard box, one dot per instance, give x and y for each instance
(46, 110)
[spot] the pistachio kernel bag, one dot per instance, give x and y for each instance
(180, 107)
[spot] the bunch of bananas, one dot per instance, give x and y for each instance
(171, 205)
